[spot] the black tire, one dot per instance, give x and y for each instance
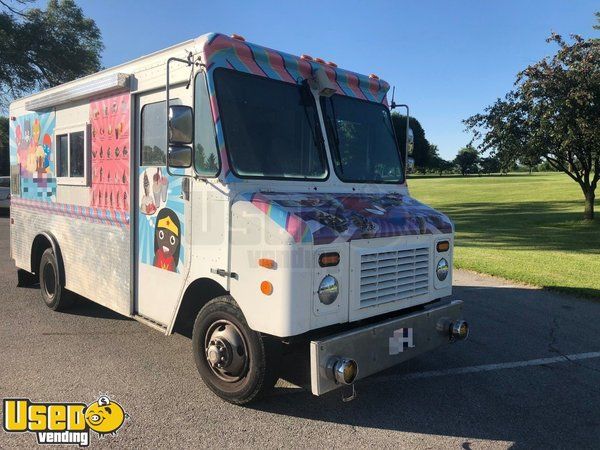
(51, 283)
(262, 356)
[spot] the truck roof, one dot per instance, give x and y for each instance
(216, 49)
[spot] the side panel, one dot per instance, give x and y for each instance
(89, 217)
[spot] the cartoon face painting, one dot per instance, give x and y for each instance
(167, 240)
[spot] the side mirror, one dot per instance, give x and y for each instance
(179, 156)
(181, 125)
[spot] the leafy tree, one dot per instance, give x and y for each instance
(490, 164)
(553, 113)
(4, 158)
(44, 48)
(467, 160)
(439, 165)
(421, 149)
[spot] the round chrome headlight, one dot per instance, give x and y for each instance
(328, 290)
(442, 269)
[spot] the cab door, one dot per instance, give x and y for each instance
(163, 213)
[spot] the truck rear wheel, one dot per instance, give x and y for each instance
(51, 284)
(236, 363)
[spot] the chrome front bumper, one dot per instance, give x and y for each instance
(382, 345)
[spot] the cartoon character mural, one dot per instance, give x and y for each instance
(161, 212)
(31, 147)
(167, 240)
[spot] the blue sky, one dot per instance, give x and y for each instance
(447, 59)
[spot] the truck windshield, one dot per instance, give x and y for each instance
(362, 141)
(271, 128)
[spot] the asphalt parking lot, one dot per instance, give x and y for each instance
(509, 386)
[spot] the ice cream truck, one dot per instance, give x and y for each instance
(253, 200)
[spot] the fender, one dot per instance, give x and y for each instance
(36, 254)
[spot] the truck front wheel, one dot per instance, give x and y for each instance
(236, 363)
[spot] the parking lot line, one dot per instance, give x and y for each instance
(491, 367)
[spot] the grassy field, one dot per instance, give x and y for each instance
(521, 227)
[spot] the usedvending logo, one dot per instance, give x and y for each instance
(63, 423)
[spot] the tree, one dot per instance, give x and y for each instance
(490, 164)
(44, 48)
(4, 157)
(467, 160)
(553, 114)
(421, 149)
(440, 165)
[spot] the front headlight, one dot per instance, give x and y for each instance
(328, 290)
(442, 269)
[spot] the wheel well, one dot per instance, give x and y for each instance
(198, 294)
(42, 242)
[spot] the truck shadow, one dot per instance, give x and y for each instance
(527, 406)
(84, 307)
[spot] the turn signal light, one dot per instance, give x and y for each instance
(329, 259)
(443, 246)
(373, 76)
(266, 288)
(306, 57)
(238, 37)
(267, 263)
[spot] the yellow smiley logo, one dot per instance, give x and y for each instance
(104, 416)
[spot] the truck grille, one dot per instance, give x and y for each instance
(393, 275)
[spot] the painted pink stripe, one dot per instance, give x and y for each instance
(245, 54)
(353, 83)
(261, 203)
(214, 107)
(333, 78)
(304, 68)
(218, 44)
(374, 87)
(296, 227)
(277, 63)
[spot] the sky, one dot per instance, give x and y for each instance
(447, 59)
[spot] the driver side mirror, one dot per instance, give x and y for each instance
(181, 136)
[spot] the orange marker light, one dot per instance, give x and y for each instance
(266, 288)
(320, 60)
(329, 259)
(443, 246)
(332, 64)
(306, 57)
(238, 37)
(267, 263)
(373, 76)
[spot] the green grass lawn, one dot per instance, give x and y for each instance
(522, 227)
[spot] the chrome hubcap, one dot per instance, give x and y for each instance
(225, 351)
